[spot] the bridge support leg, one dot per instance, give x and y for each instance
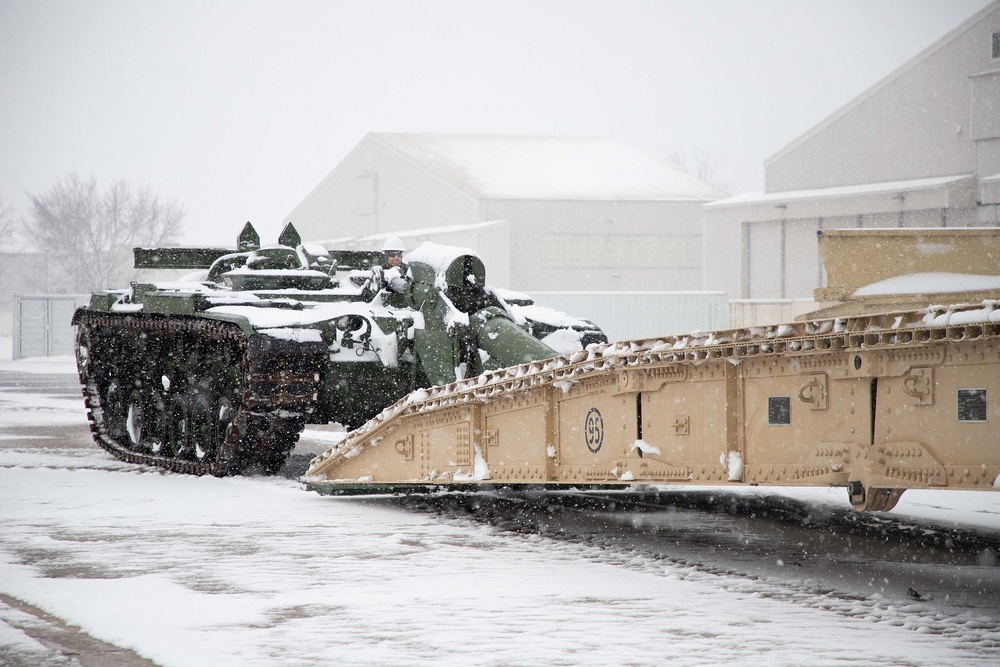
(873, 499)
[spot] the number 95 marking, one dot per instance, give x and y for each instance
(593, 430)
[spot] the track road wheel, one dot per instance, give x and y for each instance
(157, 421)
(202, 435)
(115, 412)
(178, 432)
(83, 362)
(225, 412)
(137, 420)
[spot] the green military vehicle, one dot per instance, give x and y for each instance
(221, 370)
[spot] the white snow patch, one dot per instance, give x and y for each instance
(333, 437)
(550, 316)
(734, 466)
(564, 341)
(499, 167)
(564, 385)
(297, 335)
(930, 283)
(438, 257)
(417, 396)
(953, 315)
(15, 643)
(644, 447)
(118, 307)
(56, 365)
(480, 469)
(20, 409)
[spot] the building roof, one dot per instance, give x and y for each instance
(414, 235)
(552, 168)
(885, 187)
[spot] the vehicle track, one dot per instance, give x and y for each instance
(253, 419)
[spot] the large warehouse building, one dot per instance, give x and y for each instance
(545, 213)
(920, 148)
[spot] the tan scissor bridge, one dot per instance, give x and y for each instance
(877, 404)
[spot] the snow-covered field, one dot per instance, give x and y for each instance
(257, 571)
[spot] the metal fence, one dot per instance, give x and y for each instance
(42, 324)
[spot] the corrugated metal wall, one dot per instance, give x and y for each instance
(627, 315)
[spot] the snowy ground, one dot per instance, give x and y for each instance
(257, 571)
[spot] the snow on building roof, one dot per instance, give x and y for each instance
(553, 168)
(863, 189)
(377, 239)
(431, 231)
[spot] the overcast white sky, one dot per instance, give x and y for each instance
(237, 109)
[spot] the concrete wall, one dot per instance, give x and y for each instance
(602, 245)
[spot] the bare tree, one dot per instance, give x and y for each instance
(91, 233)
(6, 225)
(703, 164)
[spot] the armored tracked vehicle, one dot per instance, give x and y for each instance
(220, 371)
